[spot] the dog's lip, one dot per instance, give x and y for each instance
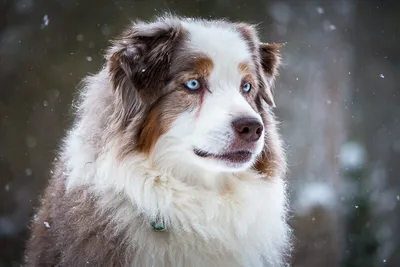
(236, 156)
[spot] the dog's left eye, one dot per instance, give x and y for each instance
(192, 84)
(246, 87)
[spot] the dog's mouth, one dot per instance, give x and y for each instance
(237, 156)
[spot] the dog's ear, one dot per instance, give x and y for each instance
(144, 51)
(271, 161)
(270, 58)
(138, 61)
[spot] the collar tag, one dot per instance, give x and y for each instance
(158, 224)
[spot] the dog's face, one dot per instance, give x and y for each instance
(193, 93)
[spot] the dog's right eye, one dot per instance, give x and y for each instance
(192, 84)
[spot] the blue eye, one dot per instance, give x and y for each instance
(246, 87)
(192, 84)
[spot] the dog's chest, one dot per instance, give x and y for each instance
(176, 247)
(224, 232)
(238, 227)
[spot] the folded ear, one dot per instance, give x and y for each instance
(270, 62)
(140, 54)
(143, 51)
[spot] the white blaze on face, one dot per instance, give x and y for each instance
(210, 128)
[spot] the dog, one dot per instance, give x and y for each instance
(174, 158)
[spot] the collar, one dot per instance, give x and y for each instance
(158, 224)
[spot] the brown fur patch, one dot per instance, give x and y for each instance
(266, 58)
(265, 164)
(190, 63)
(152, 130)
(270, 58)
(272, 160)
(203, 66)
(163, 114)
(140, 54)
(168, 107)
(244, 67)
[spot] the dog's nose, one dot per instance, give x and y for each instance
(248, 129)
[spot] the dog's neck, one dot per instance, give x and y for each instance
(194, 176)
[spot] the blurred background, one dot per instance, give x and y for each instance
(338, 98)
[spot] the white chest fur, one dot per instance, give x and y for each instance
(242, 226)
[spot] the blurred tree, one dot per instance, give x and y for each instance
(374, 123)
(361, 241)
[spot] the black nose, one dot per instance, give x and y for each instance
(248, 129)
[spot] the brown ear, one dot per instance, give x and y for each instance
(270, 58)
(141, 53)
(270, 62)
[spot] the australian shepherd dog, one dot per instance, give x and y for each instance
(174, 159)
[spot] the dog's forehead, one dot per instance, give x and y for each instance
(221, 42)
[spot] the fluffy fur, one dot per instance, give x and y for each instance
(132, 157)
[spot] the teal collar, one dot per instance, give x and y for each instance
(158, 224)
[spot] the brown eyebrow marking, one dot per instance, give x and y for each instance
(244, 67)
(203, 66)
(248, 70)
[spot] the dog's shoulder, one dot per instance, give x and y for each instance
(68, 231)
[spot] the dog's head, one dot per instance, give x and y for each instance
(196, 93)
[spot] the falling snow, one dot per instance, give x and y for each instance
(31, 141)
(332, 27)
(352, 156)
(79, 37)
(46, 224)
(328, 26)
(28, 172)
(320, 10)
(382, 76)
(106, 31)
(46, 21)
